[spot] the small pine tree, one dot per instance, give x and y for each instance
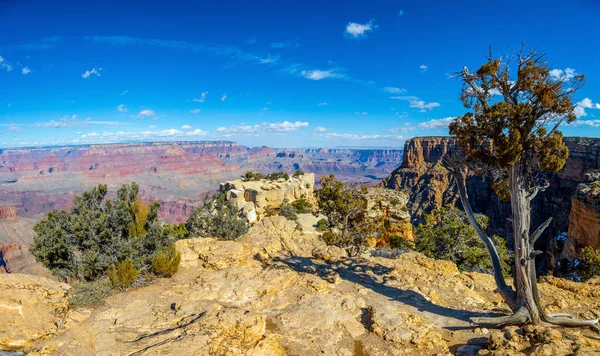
(166, 262)
(123, 274)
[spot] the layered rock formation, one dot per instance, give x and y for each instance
(271, 292)
(254, 198)
(8, 214)
(422, 174)
(584, 221)
(390, 206)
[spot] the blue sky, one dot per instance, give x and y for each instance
(277, 73)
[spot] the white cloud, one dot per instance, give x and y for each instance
(423, 68)
(400, 13)
(292, 43)
(125, 92)
(416, 103)
(264, 109)
(122, 108)
(323, 104)
(152, 126)
(360, 137)
(195, 111)
(14, 128)
(146, 113)
(202, 97)
(320, 74)
(197, 132)
(224, 97)
(436, 123)
(559, 74)
(25, 71)
(394, 90)
(88, 73)
(284, 126)
(582, 105)
(4, 64)
(320, 129)
(186, 127)
(357, 30)
(361, 113)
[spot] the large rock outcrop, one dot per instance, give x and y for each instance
(31, 308)
(276, 291)
(584, 221)
(390, 207)
(254, 198)
(430, 185)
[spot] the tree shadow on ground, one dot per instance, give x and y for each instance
(375, 277)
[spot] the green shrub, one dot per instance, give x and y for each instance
(217, 218)
(277, 176)
(400, 243)
(177, 231)
(448, 235)
(589, 262)
(166, 262)
(302, 205)
(297, 174)
(91, 293)
(322, 225)
(287, 211)
(123, 274)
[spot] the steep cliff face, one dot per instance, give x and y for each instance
(8, 214)
(430, 185)
(584, 220)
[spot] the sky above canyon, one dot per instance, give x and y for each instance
(277, 73)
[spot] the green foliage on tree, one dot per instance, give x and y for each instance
(448, 235)
(166, 262)
(277, 176)
(347, 225)
(96, 233)
(123, 274)
(218, 218)
(589, 262)
(298, 173)
(287, 210)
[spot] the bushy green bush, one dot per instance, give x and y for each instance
(448, 235)
(297, 174)
(217, 218)
(98, 232)
(277, 176)
(123, 274)
(589, 262)
(400, 243)
(253, 176)
(302, 205)
(166, 262)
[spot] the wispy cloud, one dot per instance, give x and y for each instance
(320, 74)
(186, 127)
(358, 137)
(423, 68)
(319, 129)
(394, 90)
(122, 108)
(202, 97)
(122, 136)
(416, 103)
(25, 71)
(400, 13)
(437, 123)
(284, 126)
(357, 30)
(89, 73)
(146, 113)
(224, 97)
(73, 121)
(364, 113)
(44, 43)
(5, 65)
(125, 92)
(323, 104)
(195, 111)
(286, 44)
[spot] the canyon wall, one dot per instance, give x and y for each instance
(430, 185)
(584, 221)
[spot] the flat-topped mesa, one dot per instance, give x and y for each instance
(584, 220)
(255, 197)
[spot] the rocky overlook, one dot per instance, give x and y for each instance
(430, 185)
(271, 292)
(254, 198)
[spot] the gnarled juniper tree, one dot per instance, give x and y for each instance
(512, 132)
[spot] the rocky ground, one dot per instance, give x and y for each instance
(276, 291)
